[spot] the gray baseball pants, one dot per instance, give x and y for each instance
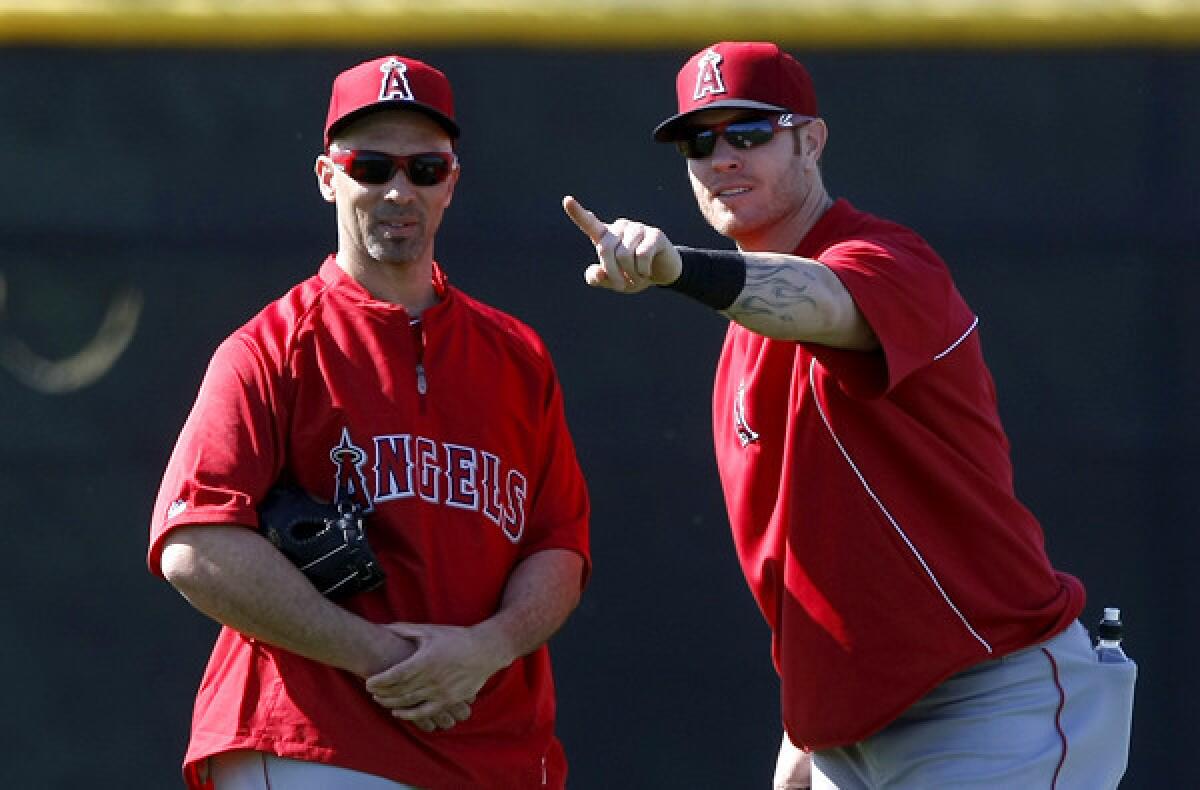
(1050, 716)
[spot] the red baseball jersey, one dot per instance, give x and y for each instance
(451, 431)
(871, 494)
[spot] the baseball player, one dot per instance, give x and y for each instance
(922, 637)
(378, 385)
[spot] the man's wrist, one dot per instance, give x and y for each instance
(713, 277)
(383, 651)
(498, 643)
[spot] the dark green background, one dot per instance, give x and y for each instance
(1061, 187)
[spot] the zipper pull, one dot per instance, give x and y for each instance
(418, 332)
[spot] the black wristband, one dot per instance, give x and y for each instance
(714, 277)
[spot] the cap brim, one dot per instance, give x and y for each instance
(446, 123)
(666, 131)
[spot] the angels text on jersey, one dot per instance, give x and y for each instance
(404, 466)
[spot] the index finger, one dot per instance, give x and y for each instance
(585, 220)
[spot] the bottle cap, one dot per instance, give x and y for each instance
(1110, 627)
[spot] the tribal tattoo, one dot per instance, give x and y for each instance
(776, 293)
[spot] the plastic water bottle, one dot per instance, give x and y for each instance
(1108, 638)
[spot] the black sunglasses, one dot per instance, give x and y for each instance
(740, 133)
(425, 169)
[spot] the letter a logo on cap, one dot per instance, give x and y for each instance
(395, 82)
(708, 80)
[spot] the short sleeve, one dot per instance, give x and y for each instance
(229, 451)
(560, 509)
(906, 294)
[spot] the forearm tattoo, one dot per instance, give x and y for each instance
(777, 294)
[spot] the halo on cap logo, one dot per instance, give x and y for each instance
(395, 81)
(709, 79)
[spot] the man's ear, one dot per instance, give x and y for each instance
(325, 170)
(815, 134)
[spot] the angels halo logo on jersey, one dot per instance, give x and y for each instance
(407, 466)
(746, 435)
(708, 77)
(350, 483)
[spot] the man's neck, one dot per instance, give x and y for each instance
(409, 285)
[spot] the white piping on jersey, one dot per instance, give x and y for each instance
(878, 503)
(955, 344)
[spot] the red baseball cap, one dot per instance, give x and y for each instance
(390, 82)
(755, 75)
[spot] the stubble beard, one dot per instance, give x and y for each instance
(773, 204)
(397, 251)
(725, 221)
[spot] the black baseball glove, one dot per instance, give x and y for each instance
(325, 541)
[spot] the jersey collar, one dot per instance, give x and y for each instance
(336, 278)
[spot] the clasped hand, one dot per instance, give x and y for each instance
(435, 686)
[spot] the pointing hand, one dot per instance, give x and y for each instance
(631, 255)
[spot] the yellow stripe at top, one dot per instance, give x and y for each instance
(603, 23)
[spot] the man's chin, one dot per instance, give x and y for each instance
(391, 253)
(723, 221)
(728, 226)
(737, 227)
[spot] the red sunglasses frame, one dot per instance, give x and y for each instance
(345, 159)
